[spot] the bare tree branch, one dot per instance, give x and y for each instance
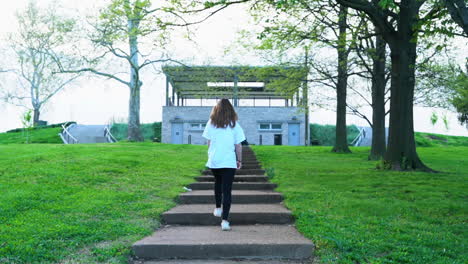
(108, 75)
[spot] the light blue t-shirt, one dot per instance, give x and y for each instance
(222, 153)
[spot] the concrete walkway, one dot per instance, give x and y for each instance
(262, 228)
(88, 133)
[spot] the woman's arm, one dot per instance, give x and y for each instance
(209, 143)
(238, 155)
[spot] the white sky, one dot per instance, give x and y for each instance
(97, 100)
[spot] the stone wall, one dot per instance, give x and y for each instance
(249, 119)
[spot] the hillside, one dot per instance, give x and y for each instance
(42, 135)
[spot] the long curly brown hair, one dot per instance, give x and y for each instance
(223, 114)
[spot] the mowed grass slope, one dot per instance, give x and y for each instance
(357, 214)
(43, 135)
(434, 140)
(87, 203)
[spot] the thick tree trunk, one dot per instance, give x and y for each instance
(36, 116)
(401, 151)
(341, 142)
(134, 133)
(378, 101)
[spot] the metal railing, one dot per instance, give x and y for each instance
(65, 135)
(108, 135)
(358, 139)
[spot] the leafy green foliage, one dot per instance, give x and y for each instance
(437, 84)
(387, 4)
(150, 132)
(26, 120)
(434, 118)
(87, 203)
(460, 98)
(325, 134)
(356, 214)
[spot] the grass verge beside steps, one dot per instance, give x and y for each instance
(357, 214)
(87, 203)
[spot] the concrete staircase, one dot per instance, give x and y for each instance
(262, 228)
(88, 133)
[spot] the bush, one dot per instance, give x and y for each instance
(41, 127)
(148, 131)
(325, 134)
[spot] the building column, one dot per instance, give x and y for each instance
(167, 91)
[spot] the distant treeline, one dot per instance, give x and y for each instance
(324, 135)
(150, 132)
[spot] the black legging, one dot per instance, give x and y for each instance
(223, 184)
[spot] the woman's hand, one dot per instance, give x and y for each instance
(239, 164)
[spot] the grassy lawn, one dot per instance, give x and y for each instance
(87, 203)
(43, 135)
(356, 214)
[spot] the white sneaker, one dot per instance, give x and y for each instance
(217, 212)
(225, 225)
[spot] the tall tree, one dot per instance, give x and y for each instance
(379, 84)
(459, 12)
(341, 142)
(300, 23)
(126, 23)
(41, 34)
(400, 24)
(371, 51)
(290, 23)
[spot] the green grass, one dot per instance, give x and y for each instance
(43, 135)
(357, 214)
(87, 203)
(433, 140)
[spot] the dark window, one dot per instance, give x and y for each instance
(275, 126)
(278, 139)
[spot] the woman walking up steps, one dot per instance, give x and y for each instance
(224, 135)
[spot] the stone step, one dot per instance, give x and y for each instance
(251, 163)
(209, 242)
(238, 197)
(241, 172)
(240, 214)
(251, 166)
(237, 178)
(244, 159)
(221, 261)
(235, 186)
